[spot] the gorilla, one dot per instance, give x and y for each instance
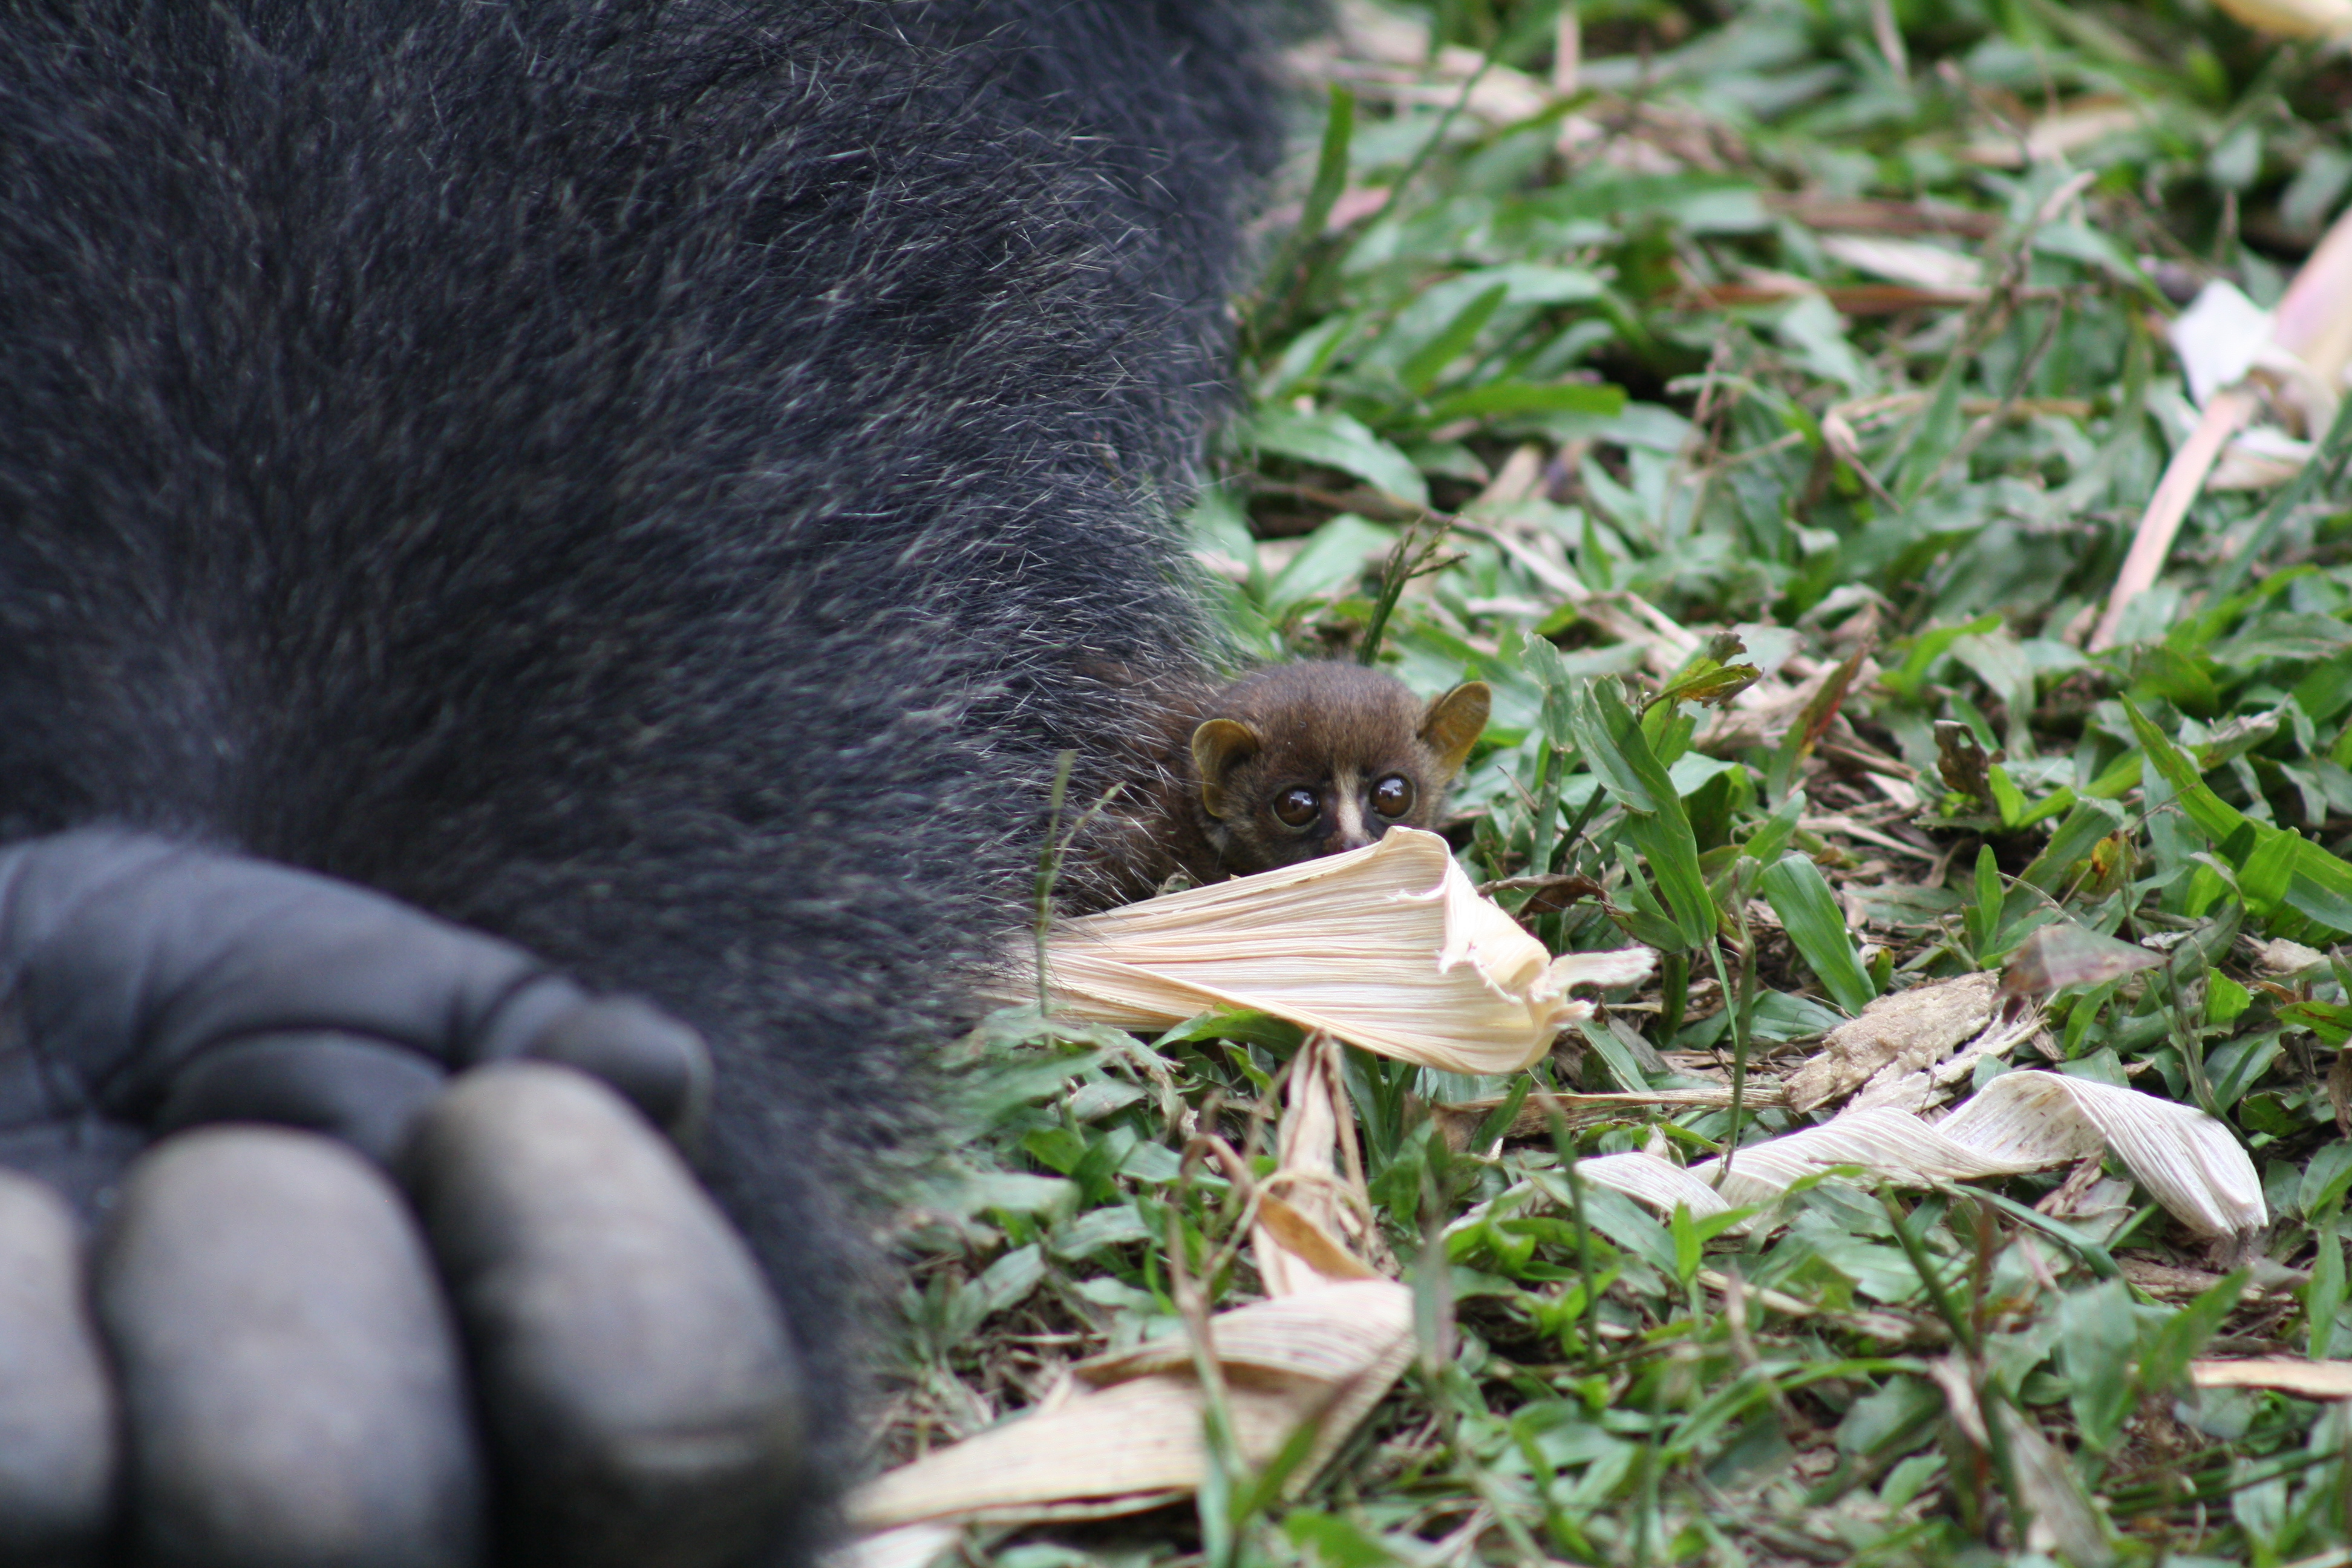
(549, 550)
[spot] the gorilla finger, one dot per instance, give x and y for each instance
(660, 1065)
(135, 960)
(131, 953)
(638, 1380)
(360, 1090)
(291, 1381)
(57, 1439)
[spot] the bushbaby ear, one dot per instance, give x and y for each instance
(1451, 725)
(1219, 745)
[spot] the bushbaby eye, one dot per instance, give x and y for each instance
(1392, 797)
(1297, 807)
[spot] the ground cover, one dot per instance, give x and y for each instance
(1766, 395)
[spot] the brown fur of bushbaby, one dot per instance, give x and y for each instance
(1285, 764)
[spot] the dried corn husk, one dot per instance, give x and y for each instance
(1389, 948)
(1123, 1431)
(1893, 1144)
(2186, 1160)
(1306, 1206)
(1127, 1435)
(1659, 1183)
(2020, 1122)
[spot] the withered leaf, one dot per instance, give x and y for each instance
(1962, 761)
(1905, 1030)
(2069, 954)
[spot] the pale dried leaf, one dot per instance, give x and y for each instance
(2065, 955)
(2304, 1379)
(1910, 261)
(1388, 947)
(2308, 351)
(2064, 1519)
(2314, 319)
(1141, 1436)
(907, 1546)
(1951, 1375)
(1295, 1252)
(2223, 338)
(1132, 1436)
(2294, 18)
(2176, 1282)
(2020, 1122)
(2176, 491)
(1660, 1183)
(2089, 1200)
(1515, 480)
(2218, 338)
(2262, 458)
(2067, 130)
(2280, 956)
(1325, 1335)
(1905, 1031)
(1306, 1206)
(1501, 95)
(1894, 1145)
(2187, 1161)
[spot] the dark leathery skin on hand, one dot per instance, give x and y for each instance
(59, 1453)
(132, 961)
(363, 1093)
(294, 1385)
(290, 1387)
(636, 1369)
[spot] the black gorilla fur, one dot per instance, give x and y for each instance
(657, 483)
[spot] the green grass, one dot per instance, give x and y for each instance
(1931, 501)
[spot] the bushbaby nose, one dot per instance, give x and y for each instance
(1348, 819)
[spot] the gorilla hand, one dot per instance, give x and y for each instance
(288, 1384)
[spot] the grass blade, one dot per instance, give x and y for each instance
(1808, 913)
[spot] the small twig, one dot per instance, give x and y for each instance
(1410, 558)
(2184, 479)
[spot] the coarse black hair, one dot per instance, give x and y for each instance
(657, 482)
